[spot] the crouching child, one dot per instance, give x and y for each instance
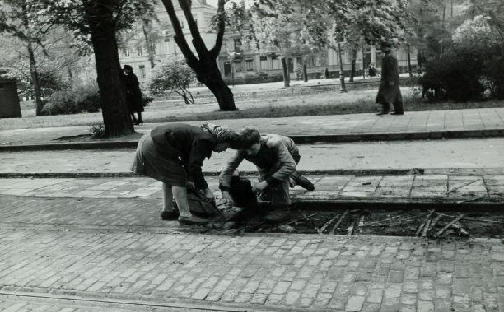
(277, 169)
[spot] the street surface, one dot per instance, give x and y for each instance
(79, 243)
(110, 250)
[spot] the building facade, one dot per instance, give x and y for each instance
(237, 61)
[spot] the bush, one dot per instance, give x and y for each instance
(82, 99)
(493, 72)
(455, 76)
(172, 76)
(97, 131)
(481, 45)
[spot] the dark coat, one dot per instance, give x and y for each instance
(389, 93)
(191, 144)
(133, 93)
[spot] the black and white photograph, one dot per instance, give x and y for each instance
(251, 155)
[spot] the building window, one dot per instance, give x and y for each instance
(238, 66)
(141, 68)
(275, 62)
(237, 44)
(126, 52)
(249, 65)
(153, 47)
(139, 51)
(263, 62)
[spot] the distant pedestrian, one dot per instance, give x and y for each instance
(174, 154)
(133, 95)
(389, 92)
(372, 71)
(326, 73)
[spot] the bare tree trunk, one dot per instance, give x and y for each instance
(151, 53)
(354, 61)
(410, 70)
(205, 65)
(285, 73)
(70, 75)
(363, 61)
(305, 71)
(112, 91)
(35, 80)
(341, 71)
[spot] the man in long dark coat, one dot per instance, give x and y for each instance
(389, 92)
(133, 94)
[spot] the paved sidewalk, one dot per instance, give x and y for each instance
(114, 252)
(434, 189)
(483, 122)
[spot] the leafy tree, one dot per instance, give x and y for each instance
(150, 35)
(56, 61)
(431, 27)
(16, 19)
(172, 76)
(476, 33)
(97, 22)
(150, 39)
(479, 38)
(280, 26)
(493, 11)
(297, 24)
(365, 22)
(205, 63)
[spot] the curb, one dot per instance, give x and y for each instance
(298, 139)
(336, 172)
(405, 136)
(209, 173)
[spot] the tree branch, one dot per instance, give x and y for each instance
(221, 28)
(119, 11)
(13, 30)
(198, 42)
(191, 60)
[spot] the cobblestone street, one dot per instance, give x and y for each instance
(111, 249)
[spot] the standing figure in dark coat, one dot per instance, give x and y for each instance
(389, 92)
(174, 154)
(133, 94)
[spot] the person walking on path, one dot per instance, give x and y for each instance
(277, 169)
(389, 92)
(174, 154)
(133, 94)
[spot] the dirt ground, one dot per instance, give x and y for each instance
(430, 224)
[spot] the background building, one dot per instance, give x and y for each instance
(237, 61)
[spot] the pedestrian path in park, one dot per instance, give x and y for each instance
(482, 122)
